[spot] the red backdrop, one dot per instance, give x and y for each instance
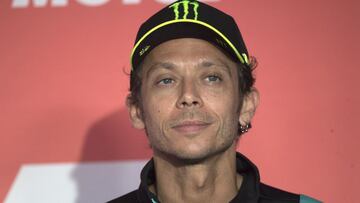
(62, 87)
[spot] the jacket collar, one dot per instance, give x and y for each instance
(248, 193)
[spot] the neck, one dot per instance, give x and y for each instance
(212, 180)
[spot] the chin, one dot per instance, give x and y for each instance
(195, 154)
(191, 158)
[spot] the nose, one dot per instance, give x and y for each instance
(189, 95)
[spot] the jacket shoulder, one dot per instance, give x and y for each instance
(307, 199)
(129, 197)
(269, 194)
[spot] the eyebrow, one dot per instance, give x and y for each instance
(164, 65)
(204, 63)
(221, 64)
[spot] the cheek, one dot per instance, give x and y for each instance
(223, 102)
(156, 111)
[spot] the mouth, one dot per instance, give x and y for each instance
(190, 127)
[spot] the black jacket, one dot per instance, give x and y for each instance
(251, 190)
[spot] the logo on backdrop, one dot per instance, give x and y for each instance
(90, 3)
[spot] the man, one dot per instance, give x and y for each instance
(192, 91)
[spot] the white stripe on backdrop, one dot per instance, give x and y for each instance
(93, 182)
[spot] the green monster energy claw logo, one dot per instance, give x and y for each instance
(185, 4)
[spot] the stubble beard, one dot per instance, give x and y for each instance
(227, 133)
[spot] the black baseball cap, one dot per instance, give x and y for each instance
(190, 19)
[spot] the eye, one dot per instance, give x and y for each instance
(165, 81)
(213, 78)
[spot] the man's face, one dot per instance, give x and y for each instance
(190, 101)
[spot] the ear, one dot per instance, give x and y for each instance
(250, 103)
(135, 114)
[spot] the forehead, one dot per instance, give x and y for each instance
(187, 51)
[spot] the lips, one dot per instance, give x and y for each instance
(190, 127)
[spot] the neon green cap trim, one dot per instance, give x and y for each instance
(240, 56)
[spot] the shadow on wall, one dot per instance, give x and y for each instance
(111, 138)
